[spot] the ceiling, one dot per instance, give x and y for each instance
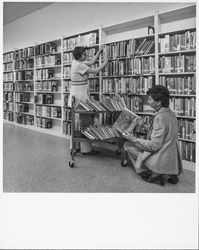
(15, 10)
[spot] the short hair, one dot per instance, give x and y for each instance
(159, 93)
(78, 51)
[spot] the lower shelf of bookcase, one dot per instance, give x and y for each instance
(38, 129)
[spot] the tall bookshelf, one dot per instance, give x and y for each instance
(48, 85)
(8, 86)
(177, 70)
(24, 86)
(138, 51)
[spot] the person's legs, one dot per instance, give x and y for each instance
(134, 155)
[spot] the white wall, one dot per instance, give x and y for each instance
(67, 18)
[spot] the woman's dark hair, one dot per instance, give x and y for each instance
(159, 93)
(78, 51)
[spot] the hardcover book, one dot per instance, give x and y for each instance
(126, 121)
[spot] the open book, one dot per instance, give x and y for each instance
(126, 121)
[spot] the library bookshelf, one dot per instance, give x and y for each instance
(156, 49)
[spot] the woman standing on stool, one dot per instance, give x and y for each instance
(80, 70)
(157, 158)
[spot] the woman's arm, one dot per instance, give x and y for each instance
(101, 66)
(94, 59)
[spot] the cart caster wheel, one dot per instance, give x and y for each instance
(118, 152)
(124, 163)
(71, 164)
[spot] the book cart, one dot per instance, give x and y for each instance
(77, 137)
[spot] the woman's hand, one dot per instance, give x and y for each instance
(101, 47)
(105, 57)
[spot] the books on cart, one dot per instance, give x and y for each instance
(107, 103)
(100, 132)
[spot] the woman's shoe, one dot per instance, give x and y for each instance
(173, 179)
(157, 179)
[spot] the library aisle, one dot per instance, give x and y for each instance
(38, 162)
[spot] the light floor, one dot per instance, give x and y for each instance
(37, 162)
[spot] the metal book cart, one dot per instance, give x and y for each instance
(76, 136)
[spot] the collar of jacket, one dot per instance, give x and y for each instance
(161, 110)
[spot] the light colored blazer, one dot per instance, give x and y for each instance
(160, 151)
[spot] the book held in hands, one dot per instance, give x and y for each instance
(126, 121)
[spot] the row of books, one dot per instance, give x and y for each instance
(134, 103)
(118, 67)
(67, 57)
(188, 151)
(108, 118)
(24, 119)
(93, 85)
(107, 103)
(8, 66)
(130, 48)
(179, 85)
(86, 40)
(9, 106)
(43, 122)
(21, 107)
(48, 111)
(44, 99)
(8, 76)
(22, 97)
(66, 86)
(67, 114)
(24, 75)
(183, 106)
(100, 132)
(47, 60)
(187, 129)
(45, 48)
(42, 74)
(24, 53)
(8, 86)
(142, 46)
(66, 72)
(66, 128)
(130, 66)
(177, 42)
(8, 96)
(8, 115)
(8, 57)
(24, 64)
(127, 85)
(118, 49)
(24, 86)
(177, 64)
(48, 86)
(143, 65)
